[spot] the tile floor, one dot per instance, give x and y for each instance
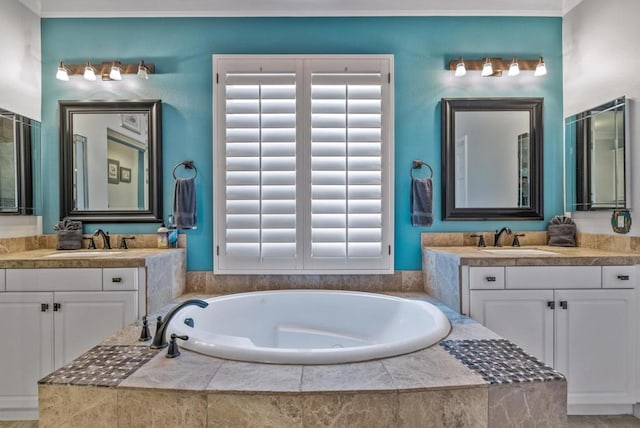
(625, 421)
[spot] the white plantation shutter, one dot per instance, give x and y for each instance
(346, 169)
(304, 163)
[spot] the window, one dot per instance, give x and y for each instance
(303, 151)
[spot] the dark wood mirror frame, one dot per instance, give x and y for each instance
(449, 108)
(154, 110)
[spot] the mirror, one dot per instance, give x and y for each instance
(111, 160)
(492, 158)
(19, 135)
(595, 158)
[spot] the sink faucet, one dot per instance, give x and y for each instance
(106, 242)
(497, 235)
(160, 339)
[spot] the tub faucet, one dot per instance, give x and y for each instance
(497, 235)
(160, 339)
(106, 240)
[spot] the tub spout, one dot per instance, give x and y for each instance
(160, 339)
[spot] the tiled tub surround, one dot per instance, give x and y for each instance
(164, 270)
(425, 388)
(400, 281)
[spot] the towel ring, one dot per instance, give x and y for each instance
(187, 165)
(417, 164)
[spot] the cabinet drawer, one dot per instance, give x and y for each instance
(119, 279)
(547, 277)
(618, 276)
(486, 278)
(2, 286)
(89, 279)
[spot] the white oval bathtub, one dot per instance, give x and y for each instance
(309, 326)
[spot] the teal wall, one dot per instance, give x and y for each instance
(181, 49)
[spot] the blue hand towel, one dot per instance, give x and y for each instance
(184, 203)
(421, 202)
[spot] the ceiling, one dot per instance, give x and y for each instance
(160, 8)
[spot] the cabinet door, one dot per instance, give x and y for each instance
(85, 319)
(27, 350)
(522, 316)
(595, 345)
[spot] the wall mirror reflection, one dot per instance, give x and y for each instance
(111, 160)
(19, 135)
(492, 158)
(596, 157)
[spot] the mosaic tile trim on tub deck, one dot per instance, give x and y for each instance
(102, 366)
(500, 361)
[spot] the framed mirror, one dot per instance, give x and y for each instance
(597, 157)
(492, 158)
(19, 136)
(110, 160)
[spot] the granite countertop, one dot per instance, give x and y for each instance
(444, 365)
(83, 258)
(561, 256)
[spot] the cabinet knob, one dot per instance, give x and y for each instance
(57, 307)
(551, 304)
(491, 279)
(116, 279)
(44, 307)
(623, 277)
(564, 304)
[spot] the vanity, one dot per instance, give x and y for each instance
(56, 305)
(573, 308)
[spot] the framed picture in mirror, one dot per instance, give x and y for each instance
(125, 175)
(113, 171)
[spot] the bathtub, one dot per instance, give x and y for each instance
(309, 326)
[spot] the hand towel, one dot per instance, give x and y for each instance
(184, 203)
(421, 200)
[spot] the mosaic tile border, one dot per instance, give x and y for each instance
(105, 366)
(500, 361)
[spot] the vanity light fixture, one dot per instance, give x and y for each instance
(142, 71)
(108, 70)
(63, 72)
(89, 71)
(514, 68)
(487, 68)
(460, 68)
(494, 66)
(541, 68)
(114, 74)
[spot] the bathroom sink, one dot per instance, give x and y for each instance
(519, 251)
(82, 254)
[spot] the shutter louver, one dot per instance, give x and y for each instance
(260, 123)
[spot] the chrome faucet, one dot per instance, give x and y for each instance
(160, 339)
(497, 235)
(106, 240)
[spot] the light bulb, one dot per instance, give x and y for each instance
(62, 73)
(487, 69)
(461, 70)
(541, 68)
(114, 74)
(514, 68)
(89, 71)
(142, 71)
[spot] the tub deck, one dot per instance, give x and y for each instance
(201, 391)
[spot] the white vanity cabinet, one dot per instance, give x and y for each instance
(48, 317)
(581, 320)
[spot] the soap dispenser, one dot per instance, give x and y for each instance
(163, 237)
